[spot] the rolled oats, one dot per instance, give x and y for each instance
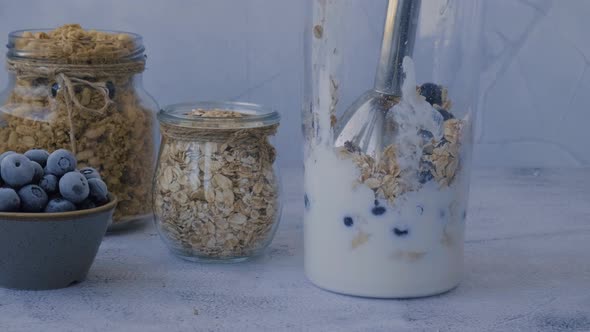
(216, 194)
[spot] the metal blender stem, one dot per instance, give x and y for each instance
(363, 124)
(399, 36)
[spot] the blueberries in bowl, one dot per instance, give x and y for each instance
(90, 173)
(9, 200)
(3, 155)
(61, 162)
(32, 198)
(17, 170)
(73, 186)
(38, 181)
(49, 183)
(39, 172)
(60, 204)
(86, 204)
(37, 155)
(98, 191)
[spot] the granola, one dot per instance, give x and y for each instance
(443, 162)
(101, 117)
(70, 43)
(216, 195)
(440, 160)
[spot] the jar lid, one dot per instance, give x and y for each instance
(218, 115)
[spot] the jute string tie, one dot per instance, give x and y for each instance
(70, 76)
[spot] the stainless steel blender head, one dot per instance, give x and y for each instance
(363, 123)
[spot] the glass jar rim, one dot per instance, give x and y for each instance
(16, 35)
(255, 115)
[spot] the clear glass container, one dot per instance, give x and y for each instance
(388, 151)
(216, 187)
(81, 90)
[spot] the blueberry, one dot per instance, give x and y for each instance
(98, 192)
(419, 209)
(2, 156)
(9, 200)
(33, 198)
(426, 135)
(59, 204)
(348, 221)
(49, 183)
(111, 87)
(39, 172)
(400, 232)
(38, 155)
(445, 114)
(54, 89)
(376, 203)
(61, 162)
(306, 201)
(17, 170)
(86, 204)
(378, 210)
(73, 186)
(90, 173)
(432, 93)
(425, 176)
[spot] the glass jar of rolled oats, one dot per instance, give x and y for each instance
(390, 101)
(82, 90)
(216, 188)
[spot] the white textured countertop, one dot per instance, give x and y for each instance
(527, 269)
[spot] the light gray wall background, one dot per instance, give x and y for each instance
(534, 88)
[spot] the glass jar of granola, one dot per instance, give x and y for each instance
(387, 152)
(81, 90)
(216, 188)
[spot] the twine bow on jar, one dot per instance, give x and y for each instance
(68, 85)
(70, 76)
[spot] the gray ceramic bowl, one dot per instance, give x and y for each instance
(50, 250)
